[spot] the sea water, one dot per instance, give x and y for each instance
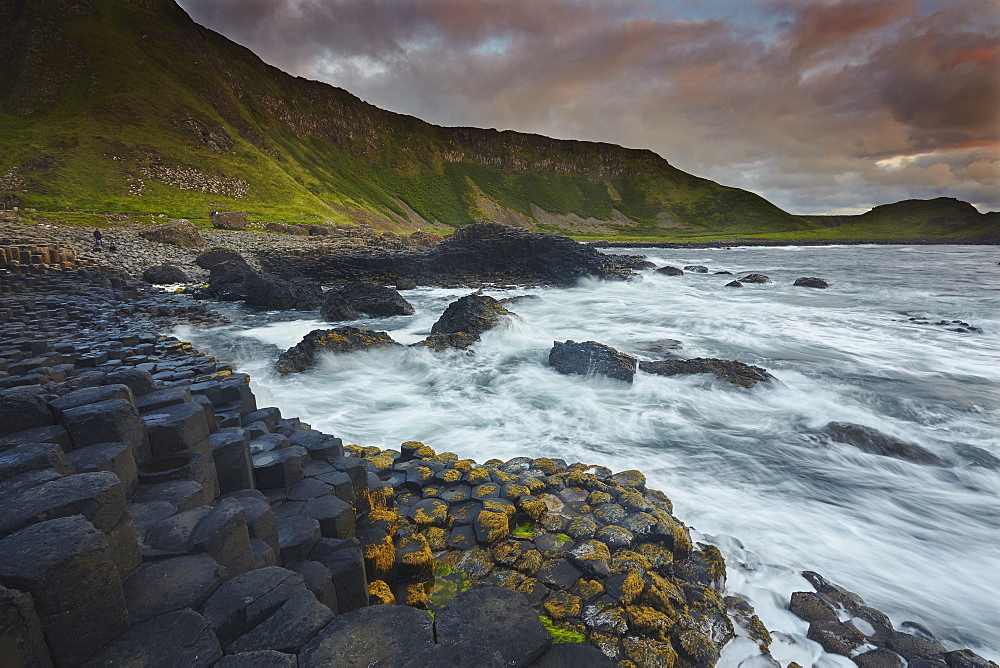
(747, 469)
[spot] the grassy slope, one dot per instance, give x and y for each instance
(89, 100)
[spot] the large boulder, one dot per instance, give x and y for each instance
(472, 314)
(875, 442)
(178, 232)
(217, 255)
(730, 371)
(269, 292)
(164, 274)
(335, 308)
(590, 357)
(377, 300)
(230, 220)
(339, 340)
(226, 280)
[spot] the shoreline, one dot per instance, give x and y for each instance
(699, 566)
(770, 243)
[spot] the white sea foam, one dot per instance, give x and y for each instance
(918, 542)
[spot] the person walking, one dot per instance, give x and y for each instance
(98, 240)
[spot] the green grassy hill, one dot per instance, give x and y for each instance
(129, 106)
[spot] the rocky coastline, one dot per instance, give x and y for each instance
(156, 514)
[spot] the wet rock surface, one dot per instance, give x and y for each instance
(875, 442)
(304, 355)
(591, 357)
(464, 322)
(737, 373)
(810, 282)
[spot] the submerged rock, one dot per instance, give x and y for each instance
(441, 342)
(875, 442)
(734, 284)
(730, 371)
(696, 268)
(810, 282)
(670, 271)
(570, 357)
(339, 340)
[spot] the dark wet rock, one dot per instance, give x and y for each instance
(456, 656)
(811, 282)
(966, 658)
(660, 346)
(723, 273)
(755, 278)
(381, 635)
(269, 292)
(835, 636)
(590, 357)
(265, 658)
(21, 631)
(875, 442)
(226, 280)
(878, 658)
(217, 255)
(406, 284)
(811, 607)
(339, 340)
(730, 371)
(696, 268)
(441, 342)
(670, 271)
(734, 284)
(164, 274)
(335, 308)
(498, 618)
(183, 636)
(289, 627)
(574, 655)
(375, 300)
(165, 586)
(911, 646)
(179, 232)
(472, 314)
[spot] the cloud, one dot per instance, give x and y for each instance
(800, 101)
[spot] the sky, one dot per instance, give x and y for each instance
(821, 106)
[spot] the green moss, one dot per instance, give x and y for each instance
(525, 530)
(563, 538)
(561, 635)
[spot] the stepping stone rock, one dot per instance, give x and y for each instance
(21, 640)
(382, 635)
(266, 658)
(497, 618)
(114, 458)
(346, 563)
(455, 656)
(574, 655)
(181, 638)
(165, 586)
(242, 603)
(65, 566)
(34, 457)
(115, 420)
(287, 628)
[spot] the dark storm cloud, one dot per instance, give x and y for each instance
(819, 106)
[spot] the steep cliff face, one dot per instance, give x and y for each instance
(131, 106)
